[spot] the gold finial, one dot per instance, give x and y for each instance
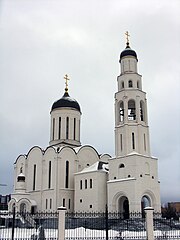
(66, 82)
(127, 37)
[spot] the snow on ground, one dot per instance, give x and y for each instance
(22, 233)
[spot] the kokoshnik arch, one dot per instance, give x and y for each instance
(78, 177)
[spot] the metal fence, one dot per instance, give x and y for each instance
(85, 226)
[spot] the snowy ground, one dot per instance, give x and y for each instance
(82, 233)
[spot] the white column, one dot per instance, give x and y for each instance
(61, 223)
(149, 223)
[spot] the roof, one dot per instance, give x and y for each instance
(66, 101)
(128, 52)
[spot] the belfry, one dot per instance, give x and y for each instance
(133, 177)
(76, 176)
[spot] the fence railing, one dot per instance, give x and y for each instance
(86, 226)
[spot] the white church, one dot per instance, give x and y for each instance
(77, 177)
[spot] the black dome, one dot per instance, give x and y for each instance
(128, 52)
(66, 101)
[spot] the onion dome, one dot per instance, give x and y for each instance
(66, 102)
(21, 177)
(128, 52)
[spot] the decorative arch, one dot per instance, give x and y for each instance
(131, 109)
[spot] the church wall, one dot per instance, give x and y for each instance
(90, 197)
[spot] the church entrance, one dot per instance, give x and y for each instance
(124, 207)
(145, 202)
(22, 207)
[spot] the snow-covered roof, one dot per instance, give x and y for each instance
(97, 166)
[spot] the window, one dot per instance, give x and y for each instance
(46, 203)
(133, 141)
(64, 202)
(122, 84)
(80, 184)
(144, 142)
(34, 177)
(121, 142)
(91, 183)
(67, 127)
(129, 175)
(69, 205)
(49, 177)
(74, 129)
(50, 203)
(90, 206)
(59, 128)
(141, 110)
(86, 184)
(137, 84)
(130, 83)
(67, 175)
(53, 128)
(131, 110)
(121, 165)
(121, 111)
(80, 200)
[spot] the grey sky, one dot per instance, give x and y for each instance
(40, 41)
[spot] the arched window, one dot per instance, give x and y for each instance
(137, 84)
(49, 175)
(131, 110)
(80, 184)
(53, 128)
(121, 165)
(142, 110)
(67, 175)
(121, 111)
(91, 183)
(59, 128)
(122, 84)
(85, 183)
(130, 83)
(74, 128)
(67, 127)
(133, 141)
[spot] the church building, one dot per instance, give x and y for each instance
(77, 177)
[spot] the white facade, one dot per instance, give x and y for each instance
(77, 177)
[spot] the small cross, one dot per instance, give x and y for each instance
(127, 36)
(66, 82)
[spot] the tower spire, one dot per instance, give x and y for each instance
(66, 82)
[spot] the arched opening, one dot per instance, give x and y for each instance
(22, 208)
(142, 110)
(124, 207)
(145, 202)
(121, 111)
(131, 110)
(122, 84)
(130, 83)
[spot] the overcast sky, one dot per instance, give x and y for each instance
(40, 41)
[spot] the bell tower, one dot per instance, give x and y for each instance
(133, 174)
(131, 121)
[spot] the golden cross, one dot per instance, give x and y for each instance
(127, 36)
(66, 82)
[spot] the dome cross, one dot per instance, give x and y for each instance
(127, 38)
(66, 82)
